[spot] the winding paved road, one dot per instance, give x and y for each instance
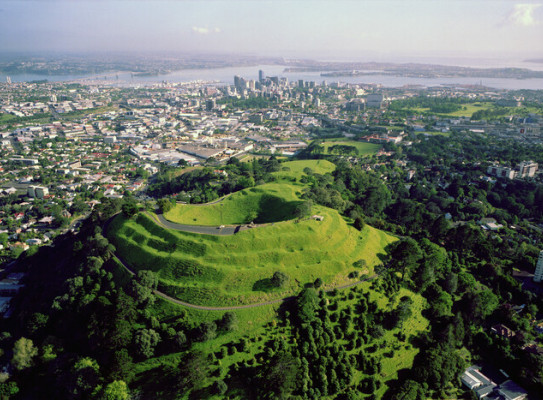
(226, 308)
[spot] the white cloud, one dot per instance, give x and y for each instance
(523, 15)
(204, 30)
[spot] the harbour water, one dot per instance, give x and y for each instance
(226, 76)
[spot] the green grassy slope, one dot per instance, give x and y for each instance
(229, 270)
(237, 269)
(295, 169)
(364, 149)
(265, 203)
(271, 202)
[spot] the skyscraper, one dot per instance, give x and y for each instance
(237, 81)
(538, 275)
(261, 76)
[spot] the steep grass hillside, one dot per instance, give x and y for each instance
(265, 203)
(237, 269)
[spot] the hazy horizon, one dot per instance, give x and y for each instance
(323, 30)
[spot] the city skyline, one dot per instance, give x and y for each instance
(348, 30)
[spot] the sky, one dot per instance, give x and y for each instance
(326, 30)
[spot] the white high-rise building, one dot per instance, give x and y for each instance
(538, 275)
(527, 169)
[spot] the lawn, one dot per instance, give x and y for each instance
(467, 109)
(266, 203)
(294, 170)
(237, 269)
(364, 148)
(434, 133)
(6, 118)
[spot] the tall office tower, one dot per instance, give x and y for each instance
(237, 81)
(261, 76)
(301, 83)
(8, 79)
(538, 275)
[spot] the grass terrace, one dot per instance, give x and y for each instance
(237, 269)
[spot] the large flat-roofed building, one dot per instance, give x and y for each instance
(25, 161)
(509, 390)
(527, 169)
(374, 100)
(474, 379)
(484, 388)
(37, 192)
(502, 172)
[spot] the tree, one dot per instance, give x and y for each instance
(141, 294)
(307, 305)
(303, 209)
(146, 340)
(251, 217)
(82, 379)
(122, 366)
(129, 209)
(279, 279)
(408, 390)
(405, 255)
(116, 390)
(229, 321)
(440, 302)
(279, 376)
(180, 339)
(194, 370)
(359, 223)
(23, 353)
(8, 389)
(423, 276)
(164, 205)
(450, 283)
(207, 331)
(148, 279)
(220, 387)
(37, 322)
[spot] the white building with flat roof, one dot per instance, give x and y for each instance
(527, 169)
